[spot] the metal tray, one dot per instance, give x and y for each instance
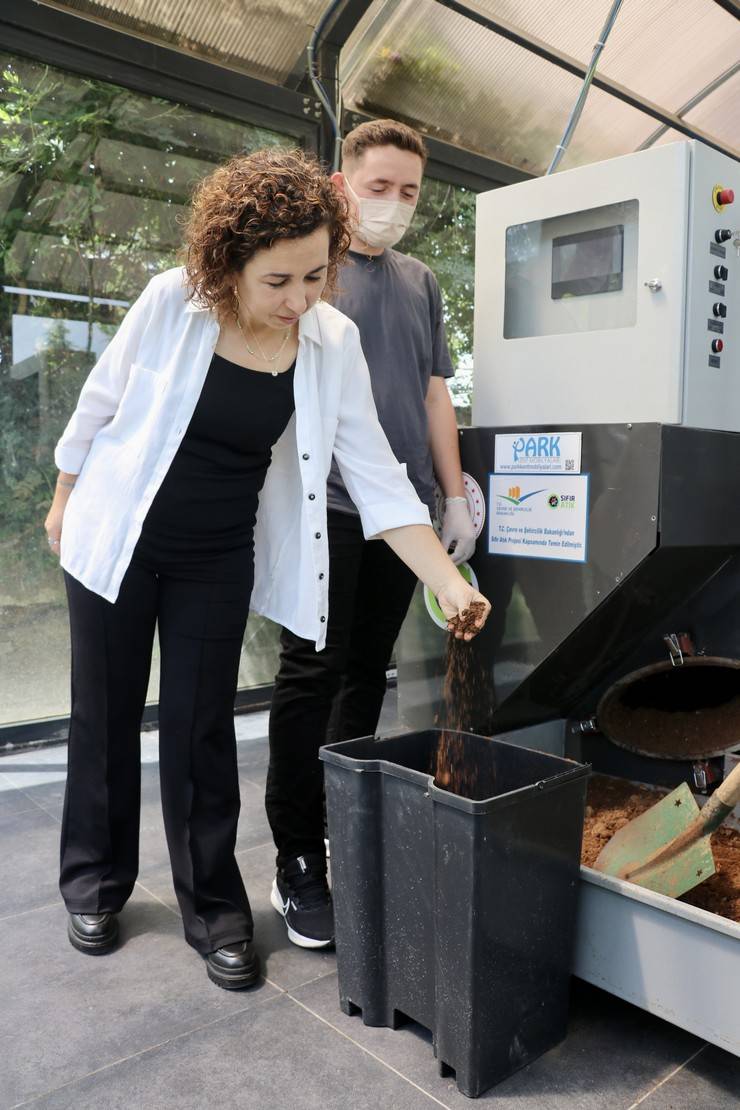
(673, 960)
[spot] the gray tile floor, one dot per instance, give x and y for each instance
(143, 1028)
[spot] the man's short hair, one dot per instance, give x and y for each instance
(383, 132)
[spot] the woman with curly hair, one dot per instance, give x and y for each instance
(193, 482)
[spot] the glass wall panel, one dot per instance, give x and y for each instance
(443, 236)
(94, 180)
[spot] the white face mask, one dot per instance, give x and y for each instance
(381, 223)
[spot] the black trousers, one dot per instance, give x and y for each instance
(337, 693)
(201, 610)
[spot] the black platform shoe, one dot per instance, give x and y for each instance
(94, 933)
(233, 967)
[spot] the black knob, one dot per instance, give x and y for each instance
(722, 234)
(721, 273)
(719, 309)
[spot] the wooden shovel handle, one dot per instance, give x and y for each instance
(728, 791)
(719, 806)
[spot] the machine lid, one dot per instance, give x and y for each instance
(685, 712)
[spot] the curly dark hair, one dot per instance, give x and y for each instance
(251, 202)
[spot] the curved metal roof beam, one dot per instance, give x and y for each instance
(697, 98)
(572, 65)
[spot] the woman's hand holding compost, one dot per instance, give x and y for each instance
(466, 609)
(418, 547)
(55, 516)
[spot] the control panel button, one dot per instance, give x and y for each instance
(725, 196)
(718, 345)
(719, 309)
(722, 234)
(721, 273)
(721, 197)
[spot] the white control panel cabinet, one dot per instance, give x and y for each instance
(611, 293)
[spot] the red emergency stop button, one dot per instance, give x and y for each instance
(721, 197)
(717, 346)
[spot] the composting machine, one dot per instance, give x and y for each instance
(603, 475)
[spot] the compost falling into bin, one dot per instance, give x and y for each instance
(463, 688)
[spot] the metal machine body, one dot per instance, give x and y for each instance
(603, 477)
(662, 560)
(603, 470)
(611, 293)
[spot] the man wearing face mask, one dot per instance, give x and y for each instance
(338, 693)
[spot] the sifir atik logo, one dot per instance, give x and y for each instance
(515, 496)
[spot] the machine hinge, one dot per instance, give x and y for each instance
(679, 644)
(704, 775)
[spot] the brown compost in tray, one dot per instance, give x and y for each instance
(612, 803)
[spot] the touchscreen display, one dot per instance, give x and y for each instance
(588, 262)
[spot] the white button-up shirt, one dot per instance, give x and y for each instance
(136, 405)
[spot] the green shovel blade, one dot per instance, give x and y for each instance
(652, 830)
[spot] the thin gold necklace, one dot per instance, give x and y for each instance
(259, 353)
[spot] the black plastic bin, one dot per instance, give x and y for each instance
(456, 913)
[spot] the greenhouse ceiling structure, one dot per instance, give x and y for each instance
(497, 78)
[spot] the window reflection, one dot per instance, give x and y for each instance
(94, 180)
(443, 236)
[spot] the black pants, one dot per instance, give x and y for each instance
(337, 693)
(201, 619)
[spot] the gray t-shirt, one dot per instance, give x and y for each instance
(396, 304)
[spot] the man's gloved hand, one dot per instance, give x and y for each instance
(457, 529)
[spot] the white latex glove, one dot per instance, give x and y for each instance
(457, 529)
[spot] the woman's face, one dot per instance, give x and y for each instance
(281, 282)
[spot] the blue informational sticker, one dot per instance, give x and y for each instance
(539, 516)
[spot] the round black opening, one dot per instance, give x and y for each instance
(684, 712)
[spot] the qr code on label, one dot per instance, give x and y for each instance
(570, 464)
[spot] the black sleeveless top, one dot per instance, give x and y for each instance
(207, 502)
